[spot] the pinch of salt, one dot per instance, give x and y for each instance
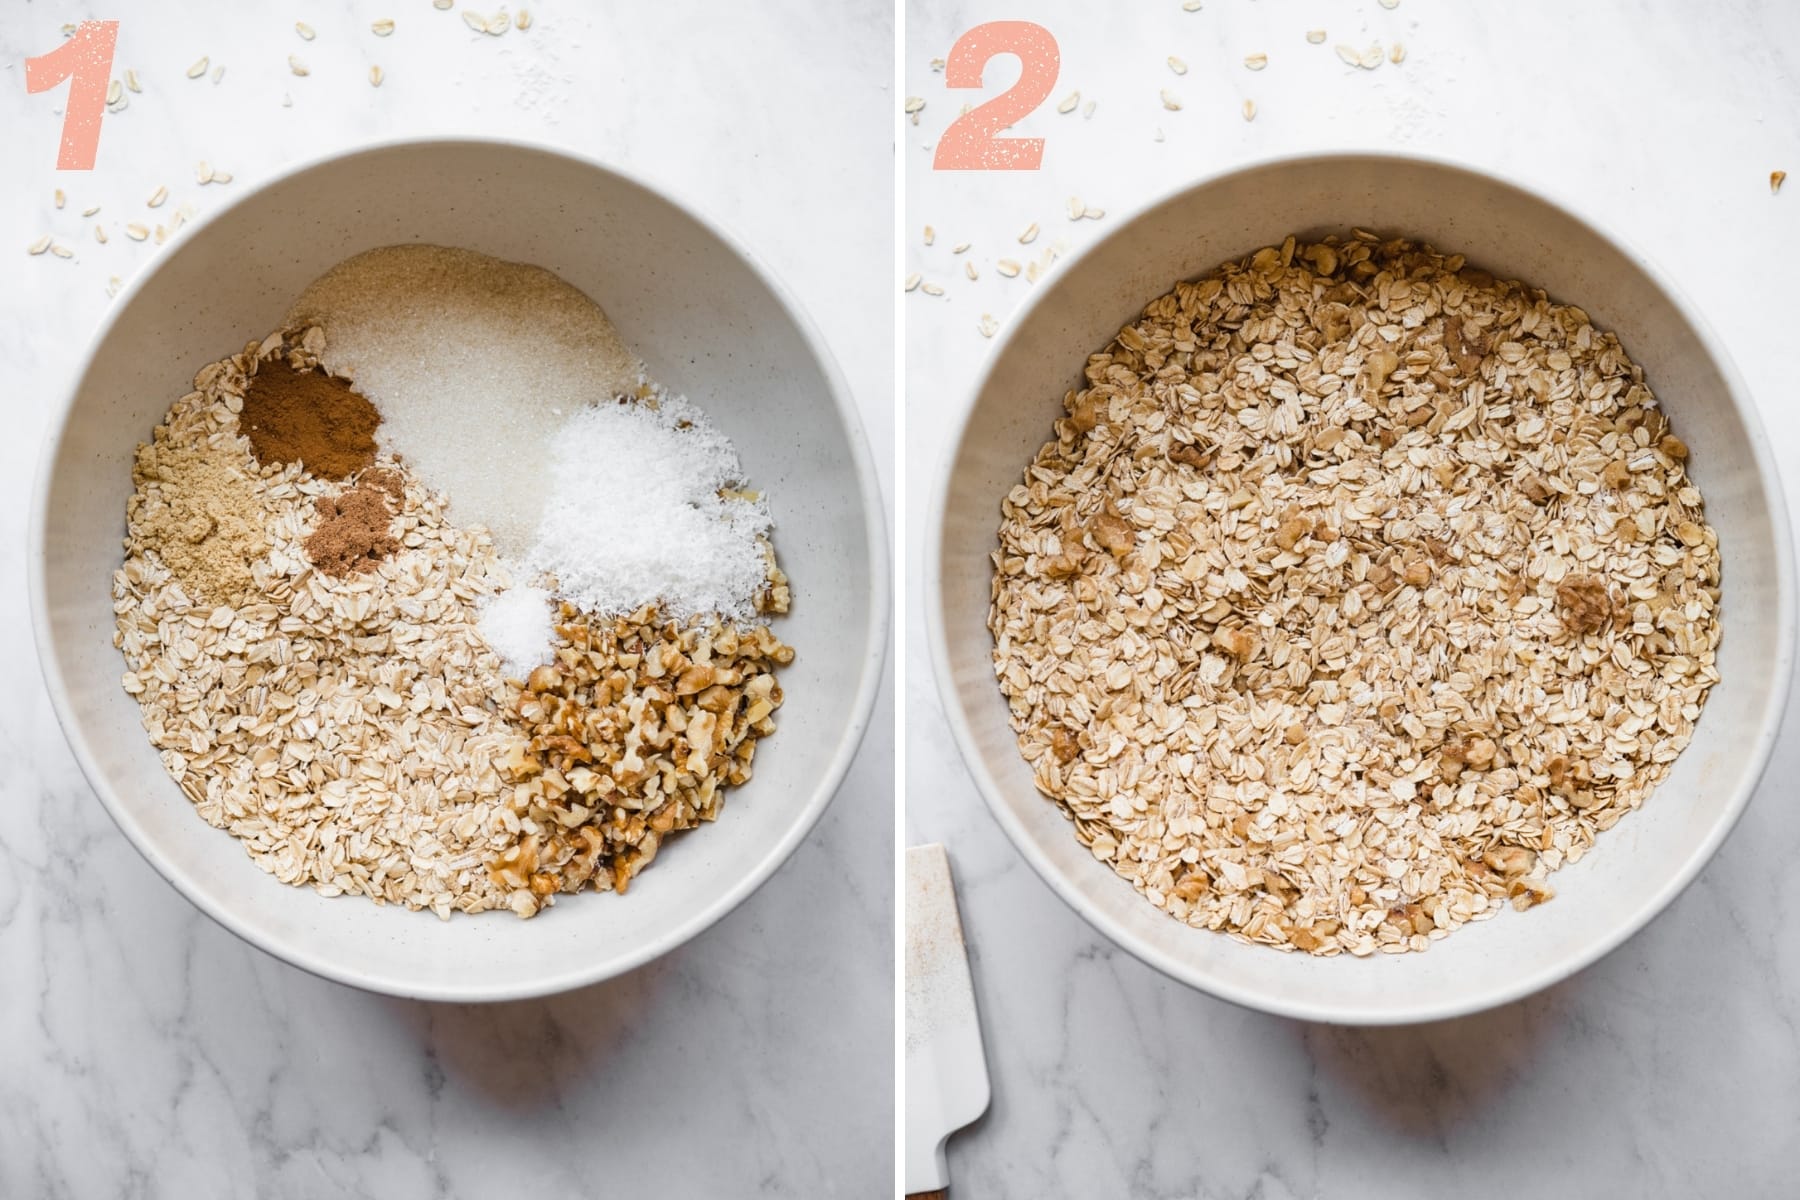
(517, 624)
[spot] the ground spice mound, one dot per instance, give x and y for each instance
(353, 527)
(388, 481)
(196, 510)
(309, 417)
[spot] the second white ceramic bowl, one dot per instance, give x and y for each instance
(1637, 867)
(708, 320)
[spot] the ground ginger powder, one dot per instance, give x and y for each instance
(195, 508)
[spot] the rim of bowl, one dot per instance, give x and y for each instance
(873, 658)
(1402, 1013)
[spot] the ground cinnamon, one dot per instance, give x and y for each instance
(352, 535)
(309, 417)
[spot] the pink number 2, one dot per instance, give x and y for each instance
(86, 60)
(969, 143)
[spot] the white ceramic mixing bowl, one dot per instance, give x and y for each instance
(708, 319)
(1637, 867)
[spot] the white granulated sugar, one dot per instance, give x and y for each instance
(634, 514)
(473, 363)
(517, 624)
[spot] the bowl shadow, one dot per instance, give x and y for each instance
(1426, 1080)
(526, 1055)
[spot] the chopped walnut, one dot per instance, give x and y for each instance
(1585, 604)
(634, 732)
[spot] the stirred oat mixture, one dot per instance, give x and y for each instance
(306, 648)
(1357, 592)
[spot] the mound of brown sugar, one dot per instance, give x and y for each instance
(309, 417)
(353, 527)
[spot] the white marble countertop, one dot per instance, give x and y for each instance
(146, 1052)
(1672, 1068)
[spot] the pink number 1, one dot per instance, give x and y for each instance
(86, 59)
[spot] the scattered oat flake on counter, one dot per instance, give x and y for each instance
(1076, 208)
(136, 232)
(382, 27)
(1316, 36)
(523, 20)
(296, 66)
(61, 251)
(131, 80)
(376, 75)
(1176, 65)
(1087, 110)
(988, 326)
(100, 234)
(1192, 6)
(1397, 54)
(1069, 102)
(474, 20)
(1776, 179)
(930, 235)
(90, 210)
(218, 74)
(1169, 101)
(157, 197)
(970, 271)
(304, 30)
(913, 281)
(1007, 267)
(1256, 62)
(41, 245)
(931, 289)
(199, 68)
(1028, 234)
(498, 24)
(1249, 110)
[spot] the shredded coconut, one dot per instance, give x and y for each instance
(642, 505)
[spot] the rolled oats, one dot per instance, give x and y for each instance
(1357, 592)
